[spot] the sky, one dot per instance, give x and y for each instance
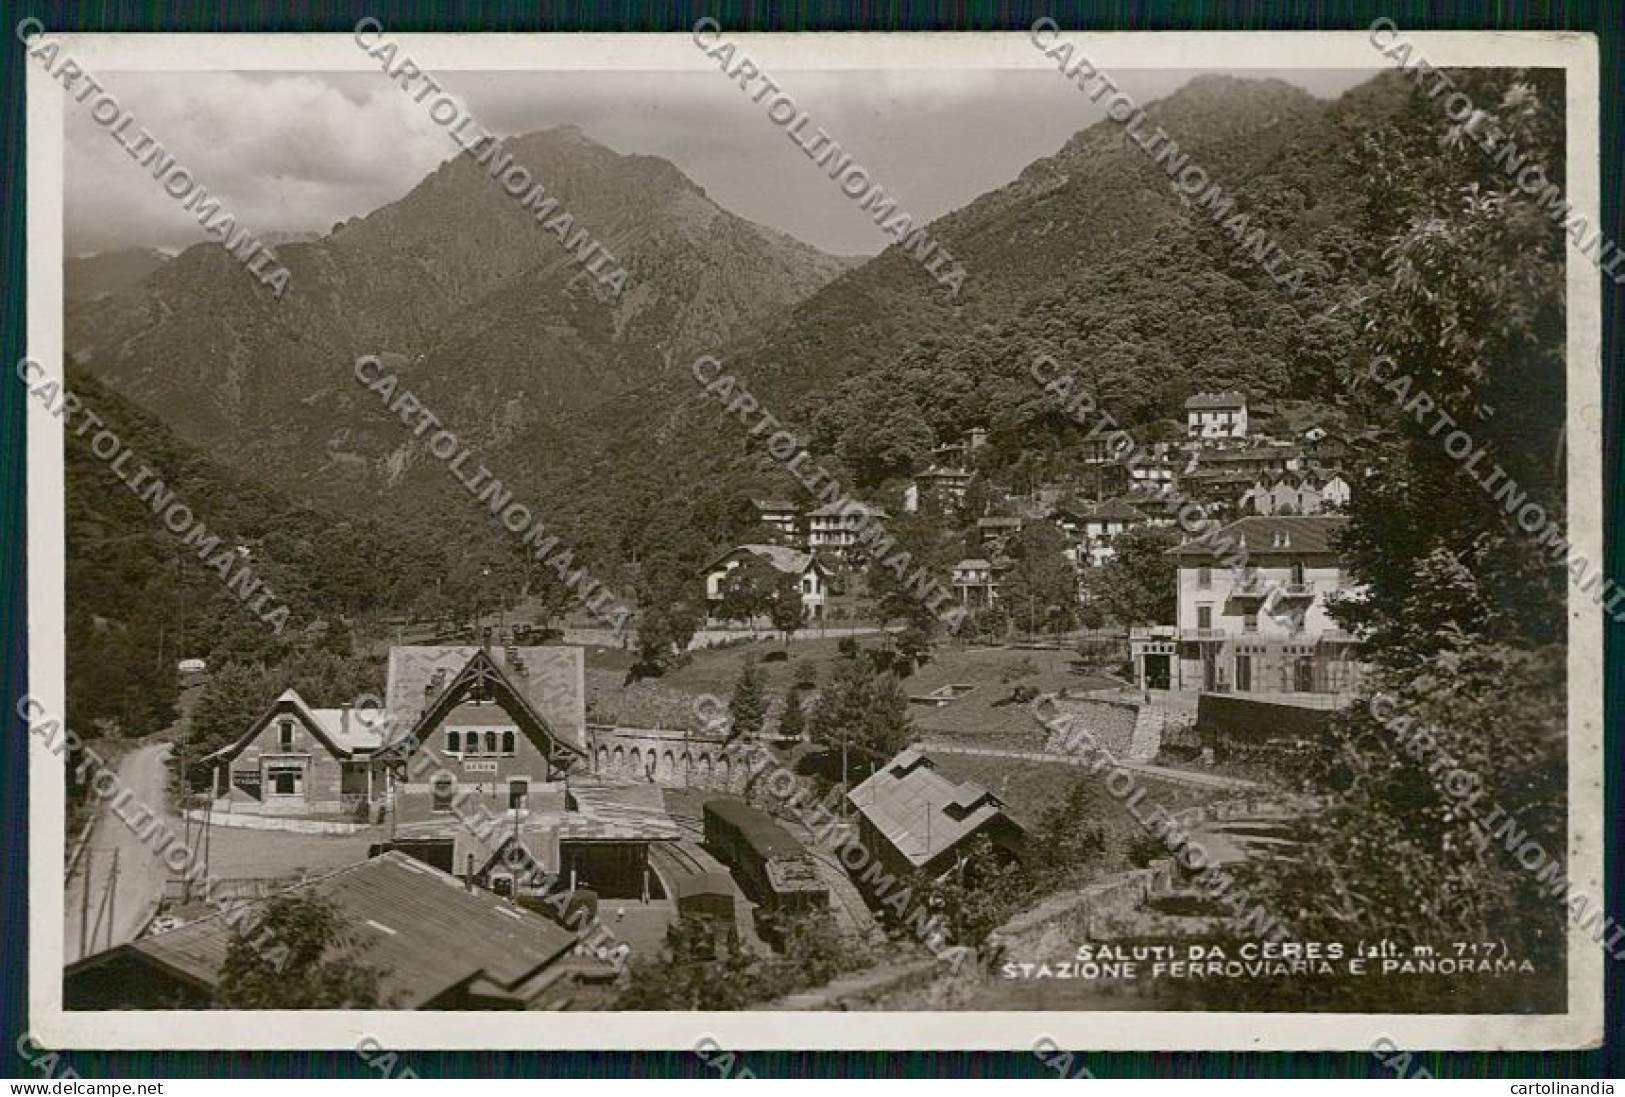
(300, 152)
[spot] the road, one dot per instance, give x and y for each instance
(140, 875)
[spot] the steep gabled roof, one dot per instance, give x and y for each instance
(541, 687)
(343, 731)
(781, 557)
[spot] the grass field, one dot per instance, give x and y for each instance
(978, 716)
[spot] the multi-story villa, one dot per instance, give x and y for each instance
(1216, 415)
(1260, 628)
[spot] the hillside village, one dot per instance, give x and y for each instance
(604, 808)
(1140, 715)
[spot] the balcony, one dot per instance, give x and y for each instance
(1204, 634)
(1337, 636)
(1251, 587)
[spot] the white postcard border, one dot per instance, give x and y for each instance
(444, 53)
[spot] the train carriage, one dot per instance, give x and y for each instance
(769, 864)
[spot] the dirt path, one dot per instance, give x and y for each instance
(141, 876)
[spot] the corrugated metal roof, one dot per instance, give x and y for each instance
(919, 810)
(425, 931)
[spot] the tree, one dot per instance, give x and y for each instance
(1139, 584)
(229, 702)
(298, 956)
(695, 971)
(1041, 585)
(975, 897)
(785, 609)
(913, 648)
(665, 629)
(793, 721)
(1463, 613)
(866, 711)
(747, 708)
(748, 590)
(1072, 836)
(805, 675)
(922, 546)
(237, 694)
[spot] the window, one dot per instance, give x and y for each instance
(471, 744)
(490, 742)
(284, 735)
(1204, 616)
(507, 743)
(287, 780)
(454, 742)
(443, 787)
(1204, 578)
(1297, 573)
(517, 791)
(1249, 621)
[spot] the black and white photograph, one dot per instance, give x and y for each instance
(1023, 541)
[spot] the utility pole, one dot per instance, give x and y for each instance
(208, 829)
(84, 899)
(843, 773)
(112, 898)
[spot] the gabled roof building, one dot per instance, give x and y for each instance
(913, 817)
(437, 943)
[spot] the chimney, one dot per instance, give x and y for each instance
(344, 718)
(468, 877)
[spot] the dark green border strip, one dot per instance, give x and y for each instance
(1604, 18)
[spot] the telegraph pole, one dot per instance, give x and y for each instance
(844, 788)
(112, 898)
(84, 899)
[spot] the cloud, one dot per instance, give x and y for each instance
(298, 152)
(289, 153)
